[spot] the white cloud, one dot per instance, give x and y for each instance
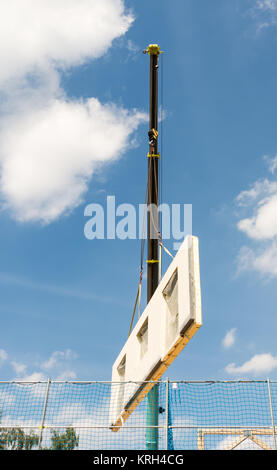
(260, 190)
(59, 357)
(230, 338)
(265, 13)
(260, 226)
(267, 5)
(262, 260)
(3, 356)
(263, 225)
(39, 34)
(19, 368)
(272, 163)
(34, 377)
(45, 171)
(67, 375)
(47, 168)
(258, 365)
(58, 366)
(261, 198)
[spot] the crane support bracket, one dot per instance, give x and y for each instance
(153, 155)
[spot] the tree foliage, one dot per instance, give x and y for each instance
(64, 441)
(17, 439)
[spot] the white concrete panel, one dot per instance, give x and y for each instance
(168, 322)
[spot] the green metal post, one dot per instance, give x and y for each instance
(152, 419)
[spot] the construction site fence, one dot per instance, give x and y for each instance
(193, 415)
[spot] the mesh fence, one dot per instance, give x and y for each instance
(192, 415)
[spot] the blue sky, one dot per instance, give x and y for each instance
(74, 93)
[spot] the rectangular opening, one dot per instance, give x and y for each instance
(121, 369)
(170, 294)
(121, 372)
(143, 338)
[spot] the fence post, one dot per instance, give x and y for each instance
(271, 413)
(166, 414)
(44, 413)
